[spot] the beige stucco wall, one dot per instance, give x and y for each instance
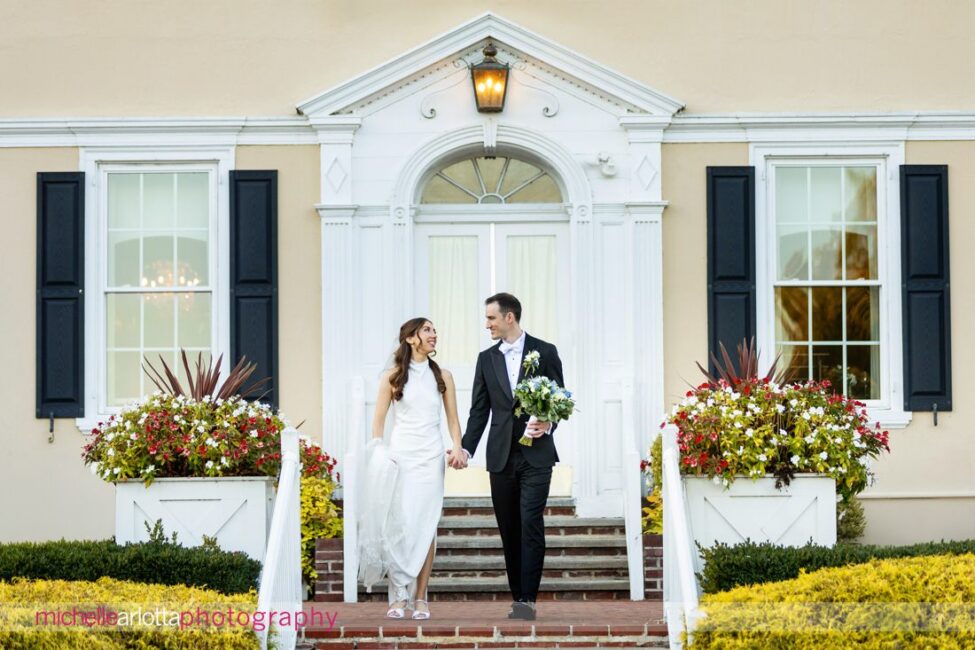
(45, 490)
(925, 461)
(252, 57)
(299, 280)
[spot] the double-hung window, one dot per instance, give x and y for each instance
(829, 295)
(158, 290)
(157, 261)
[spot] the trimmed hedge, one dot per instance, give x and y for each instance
(155, 562)
(726, 567)
(30, 607)
(912, 602)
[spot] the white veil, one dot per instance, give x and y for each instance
(379, 524)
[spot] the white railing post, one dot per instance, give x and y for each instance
(632, 496)
(280, 589)
(680, 583)
(350, 506)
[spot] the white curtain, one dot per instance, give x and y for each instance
(454, 303)
(532, 269)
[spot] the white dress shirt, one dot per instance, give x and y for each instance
(512, 359)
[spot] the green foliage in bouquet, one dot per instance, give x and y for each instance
(541, 397)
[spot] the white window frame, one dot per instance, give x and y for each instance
(97, 163)
(887, 157)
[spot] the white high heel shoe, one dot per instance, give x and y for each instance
(396, 612)
(421, 614)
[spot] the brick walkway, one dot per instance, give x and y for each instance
(485, 625)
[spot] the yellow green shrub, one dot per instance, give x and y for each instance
(917, 602)
(319, 520)
(27, 608)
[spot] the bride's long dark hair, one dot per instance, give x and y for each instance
(403, 356)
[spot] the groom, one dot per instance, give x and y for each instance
(520, 475)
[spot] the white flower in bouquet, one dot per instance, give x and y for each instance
(541, 397)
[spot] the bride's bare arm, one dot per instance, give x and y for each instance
(383, 400)
(450, 405)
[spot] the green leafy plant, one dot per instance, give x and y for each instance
(159, 561)
(850, 520)
(320, 519)
(908, 602)
(726, 566)
(653, 510)
(741, 424)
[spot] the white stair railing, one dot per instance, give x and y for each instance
(681, 590)
(352, 470)
(281, 589)
(632, 497)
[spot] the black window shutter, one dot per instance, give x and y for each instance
(60, 314)
(254, 275)
(924, 269)
(731, 257)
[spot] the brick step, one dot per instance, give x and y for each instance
(563, 562)
(409, 634)
(461, 506)
(451, 542)
(554, 525)
(500, 583)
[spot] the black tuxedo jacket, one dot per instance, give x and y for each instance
(492, 396)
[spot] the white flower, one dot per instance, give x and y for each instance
(200, 429)
(117, 470)
(209, 464)
(794, 459)
(111, 452)
(806, 416)
(223, 461)
(738, 425)
(780, 408)
(253, 433)
(94, 469)
(793, 402)
(749, 431)
(823, 455)
(838, 441)
(762, 457)
(132, 436)
(783, 433)
(110, 437)
(741, 450)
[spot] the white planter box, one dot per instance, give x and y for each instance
(237, 511)
(754, 509)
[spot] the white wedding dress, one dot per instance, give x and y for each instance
(402, 489)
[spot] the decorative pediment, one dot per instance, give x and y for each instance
(538, 63)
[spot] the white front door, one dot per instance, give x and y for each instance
(457, 266)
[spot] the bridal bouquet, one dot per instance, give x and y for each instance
(541, 397)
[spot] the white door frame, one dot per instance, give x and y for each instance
(615, 249)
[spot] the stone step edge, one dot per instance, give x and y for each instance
(486, 502)
(485, 632)
(551, 521)
(500, 583)
(487, 562)
(551, 541)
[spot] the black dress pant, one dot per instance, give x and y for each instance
(519, 493)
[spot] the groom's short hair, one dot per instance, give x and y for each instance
(506, 303)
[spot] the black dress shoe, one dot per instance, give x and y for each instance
(522, 610)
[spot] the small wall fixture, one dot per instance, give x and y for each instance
(490, 79)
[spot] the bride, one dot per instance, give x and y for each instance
(403, 485)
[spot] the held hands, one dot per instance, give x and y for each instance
(457, 458)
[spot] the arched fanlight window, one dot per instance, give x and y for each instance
(496, 179)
